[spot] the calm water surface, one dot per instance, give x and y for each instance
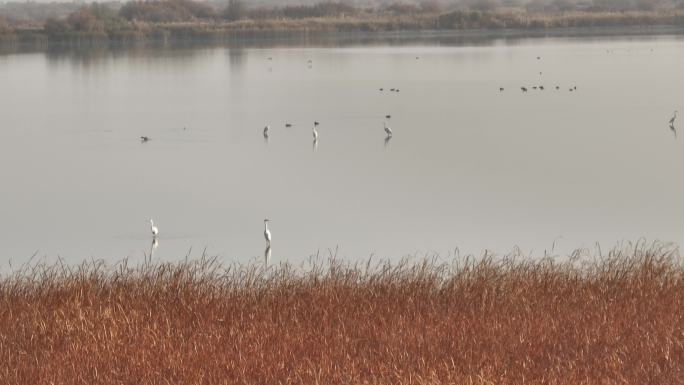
(469, 167)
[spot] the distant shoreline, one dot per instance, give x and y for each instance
(464, 24)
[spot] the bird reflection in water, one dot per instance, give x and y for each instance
(153, 247)
(267, 255)
(266, 129)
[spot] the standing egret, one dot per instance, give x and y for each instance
(387, 129)
(315, 133)
(154, 229)
(672, 120)
(267, 232)
(266, 131)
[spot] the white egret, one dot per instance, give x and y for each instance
(266, 131)
(315, 133)
(154, 229)
(672, 120)
(387, 129)
(267, 232)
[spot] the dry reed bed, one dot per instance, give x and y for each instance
(616, 319)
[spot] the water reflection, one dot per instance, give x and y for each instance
(153, 247)
(236, 58)
(387, 140)
(88, 54)
(267, 255)
(266, 129)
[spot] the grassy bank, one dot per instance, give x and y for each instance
(91, 27)
(615, 319)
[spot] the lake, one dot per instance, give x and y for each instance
(469, 167)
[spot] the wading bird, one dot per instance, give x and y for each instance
(154, 229)
(388, 130)
(672, 120)
(266, 131)
(315, 133)
(674, 130)
(267, 232)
